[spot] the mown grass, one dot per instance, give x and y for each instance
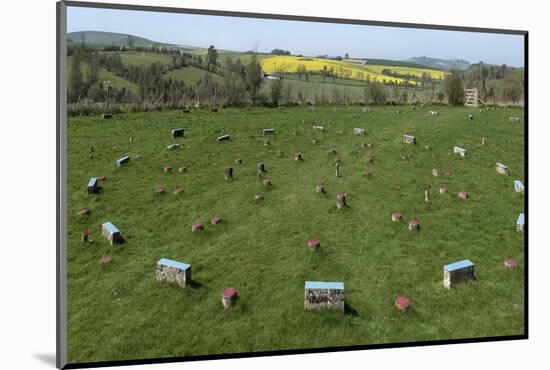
(119, 311)
(191, 75)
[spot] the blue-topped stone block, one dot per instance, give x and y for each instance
(122, 160)
(92, 185)
(457, 272)
(111, 232)
(518, 186)
(520, 222)
(324, 295)
(173, 271)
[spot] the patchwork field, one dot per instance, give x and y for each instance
(119, 311)
(290, 64)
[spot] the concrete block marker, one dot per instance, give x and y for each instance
(229, 297)
(320, 188)
(443, 190)
(514, 119)
(107, 115)
(518, 186)
(457, 272)
(321, 295)
(173, 146)
(178, 190)
(178, 132)
(502, 169)
(197, 226)
(123, 160)
(520, 223)
(461, 151)
(223, 138)
(436, 171)
(359, 131)
(92, 186)
(216, 220)
(267, 131)
(160, 190)
(409, 139)
(167, 169)
(173, 271)
(318, 128)
(111, 233)
(463, 195)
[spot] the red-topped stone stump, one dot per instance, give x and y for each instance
(313, 244)
(414, 225)
(84, 235)
(443, 190)
(402, 303)
(216, 220)
(511, 263)
(178, 190)
(105, 260)
(197, 226)
(396, 216)
(83, 212)
(229, 297)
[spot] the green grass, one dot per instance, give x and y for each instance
(120, 311)
(191, 75)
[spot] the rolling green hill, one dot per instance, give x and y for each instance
(102, 38)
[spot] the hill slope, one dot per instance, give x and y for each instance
(113, 38)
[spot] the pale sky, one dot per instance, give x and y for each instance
(307, 38)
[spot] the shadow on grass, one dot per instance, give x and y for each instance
(46, 358)
(195, 284)
(349, 310)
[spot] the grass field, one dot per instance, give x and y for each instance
(191, 75)
(119, 311)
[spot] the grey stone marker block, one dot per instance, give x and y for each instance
(319, 295)
(409, 139)
(457, 272)
(173, 271)
(111, 232)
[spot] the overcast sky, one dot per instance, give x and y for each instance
(307, 38)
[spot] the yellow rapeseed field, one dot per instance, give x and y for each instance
(343, 69)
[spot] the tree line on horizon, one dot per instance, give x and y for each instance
(242, 83)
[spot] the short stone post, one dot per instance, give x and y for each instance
(229, 297)
(228, 172)
(337, 167)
